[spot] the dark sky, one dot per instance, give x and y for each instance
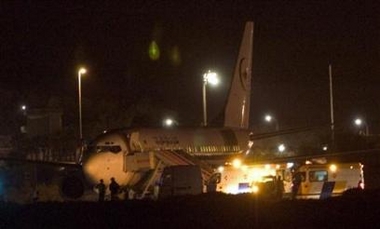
(42, 43)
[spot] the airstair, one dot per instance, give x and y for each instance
(158, 160)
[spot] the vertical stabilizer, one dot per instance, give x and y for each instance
(238, 103)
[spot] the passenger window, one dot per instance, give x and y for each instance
(318, 176)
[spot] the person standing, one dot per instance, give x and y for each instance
(296, 183)
(35, 196)
(114, 188)
(101, 189)
(280, 187)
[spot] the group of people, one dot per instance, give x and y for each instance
(114, 188)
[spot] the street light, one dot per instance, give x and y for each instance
(169, 122)
(269, 118)
(212, 78)
(80, 73)
(281, 148)
(24, 119)
(359, 122)
(23, 109)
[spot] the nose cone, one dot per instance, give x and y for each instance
(104, 166)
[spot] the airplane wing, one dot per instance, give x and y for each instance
(285, 131)
(41, 162)
(346, 155)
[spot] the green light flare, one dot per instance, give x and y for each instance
(154, 51)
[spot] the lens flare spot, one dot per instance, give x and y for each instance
(154, 51)
(175, 56)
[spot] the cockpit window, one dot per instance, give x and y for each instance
(112, 149)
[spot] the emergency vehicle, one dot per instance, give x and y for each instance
(262, 179)
(317, 181)
(324, 180)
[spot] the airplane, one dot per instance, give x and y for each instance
(131, 155)
(134, 157)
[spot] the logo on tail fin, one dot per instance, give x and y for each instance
(243, 73)
(238, 103)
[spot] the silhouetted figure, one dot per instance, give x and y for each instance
(297, 179)
(101, 189)
(280, 187)
(36, 196)
(114, 188)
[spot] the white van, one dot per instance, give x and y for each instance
(319, 181)
(180, 180)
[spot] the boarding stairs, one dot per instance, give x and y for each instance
(170, 158)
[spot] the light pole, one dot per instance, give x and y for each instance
(269, 118)
(24, 119)
(212, 78)
(359, 122)
(80, 73)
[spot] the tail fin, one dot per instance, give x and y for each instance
(238, 104)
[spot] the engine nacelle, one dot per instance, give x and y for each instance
(72, 187)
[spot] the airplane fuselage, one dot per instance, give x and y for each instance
(109, 154)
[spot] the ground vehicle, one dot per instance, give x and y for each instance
(270, 180)
(180, 180)
(324, 180)
(316, 180)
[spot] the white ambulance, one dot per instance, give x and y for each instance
(319, 181)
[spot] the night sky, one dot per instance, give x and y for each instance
(42, 44)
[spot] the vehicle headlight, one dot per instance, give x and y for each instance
(255, 189)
